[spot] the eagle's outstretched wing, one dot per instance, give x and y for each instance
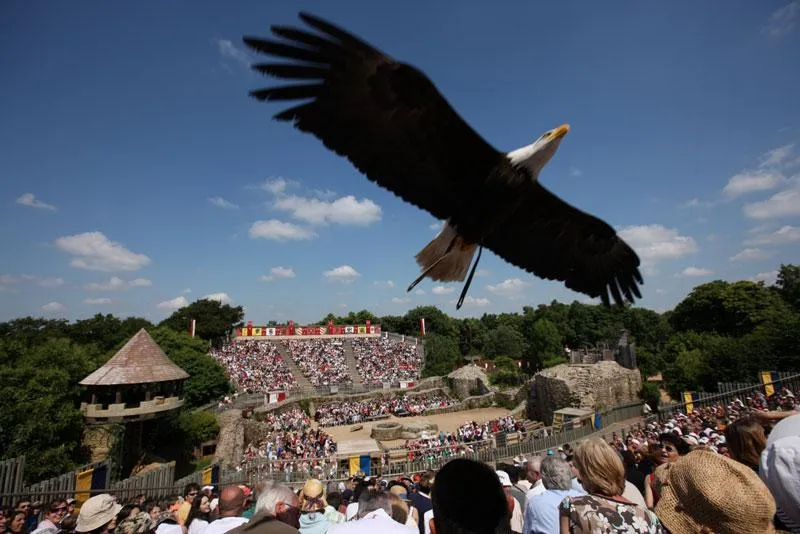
(386, 117)
(554, 240)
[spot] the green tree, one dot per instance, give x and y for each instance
(207, 379)
(441, 355)
(788, 285)
(214, 320)
(199, 426)
(503, 341)
(544, 342)
(506, 372)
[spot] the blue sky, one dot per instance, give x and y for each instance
(136, 173)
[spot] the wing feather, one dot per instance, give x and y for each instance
(556, 241)
(387, 118)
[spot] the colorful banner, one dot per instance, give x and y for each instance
(689, 398)
(770, 381)
(211, 475)
(83, 485)
(365, 464)
(294, 330)
(354, 465)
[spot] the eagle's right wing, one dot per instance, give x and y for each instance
(386, 117)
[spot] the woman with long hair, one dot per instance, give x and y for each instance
(746, 440)
(670, 447)
(199, 515)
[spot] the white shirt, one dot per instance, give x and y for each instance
(224, 524)
(633, 494)
(351, 511)
(536, 489)
(373, 522)
(427, 518)
(197, 526)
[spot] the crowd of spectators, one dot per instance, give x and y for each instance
(255, 366)
(321, 360)
(381, 360)
(350, 412)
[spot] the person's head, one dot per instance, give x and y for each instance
(334, 499)
(154, 510)
(706, 492)
(231, 502)
(16, 523)
(556, 473)
(372, 500)
(512, 471)
(533, 468)
(746, 440)
(190, 492)
(426, 482)
(98, 514)
(280, 502)
(399, 508)
(672, 446)
(468, 498)
(599, 467)
(312, 496)
(201, 507)
(56, 511)
(71, 506)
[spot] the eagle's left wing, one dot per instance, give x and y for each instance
(556, 241)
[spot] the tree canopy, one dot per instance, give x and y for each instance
(721, 331)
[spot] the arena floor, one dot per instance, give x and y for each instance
(447, 422)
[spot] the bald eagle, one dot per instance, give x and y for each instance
(389, 120)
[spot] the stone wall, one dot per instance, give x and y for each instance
(231, 440)
(467, 380)
(602, 384)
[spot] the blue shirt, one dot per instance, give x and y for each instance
(541, 516)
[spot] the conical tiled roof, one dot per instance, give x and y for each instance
(140, 361)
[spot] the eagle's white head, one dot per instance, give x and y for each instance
(535, 156)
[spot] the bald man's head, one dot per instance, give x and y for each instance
(231, 502)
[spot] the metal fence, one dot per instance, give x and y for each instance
(160, 483)
(791, 380)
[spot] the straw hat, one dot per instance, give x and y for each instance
(312, 498)
(703, 488)
(96, 512)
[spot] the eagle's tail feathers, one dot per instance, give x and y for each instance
(447, 257)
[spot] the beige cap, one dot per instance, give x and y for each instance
(96, 512)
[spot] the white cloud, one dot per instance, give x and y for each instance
(50, 282)
(776, 156)
(280, 231)
(783, 21)
(752, 181)
(344, 210)
(97, 302)
(344, 274)
(326, 194)
(117, 284)
(53, 306)
(30, 200)
(222, 203)
(751, 254)
(174, 304)
(228, 51)
(222, 298)
(95, 252)
(442, 290)
(278, 272)
(574, 171)
(388, 284)
(436, 226)
(511, 288)
(7, 280)
(400, 300)
(483, 272)
(472, 302)
(276, 186)
(661, 291)
(768, 277)
(187, 290)
(783, 204)
(695, 271)
(786, 234)
(655, 242)
(419, 292)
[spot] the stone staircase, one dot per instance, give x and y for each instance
(302, 381)
(350, 360)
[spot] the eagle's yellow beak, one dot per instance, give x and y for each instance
(560, 132)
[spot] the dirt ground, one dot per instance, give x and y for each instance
(447, 422)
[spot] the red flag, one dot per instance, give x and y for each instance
(422, 326)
